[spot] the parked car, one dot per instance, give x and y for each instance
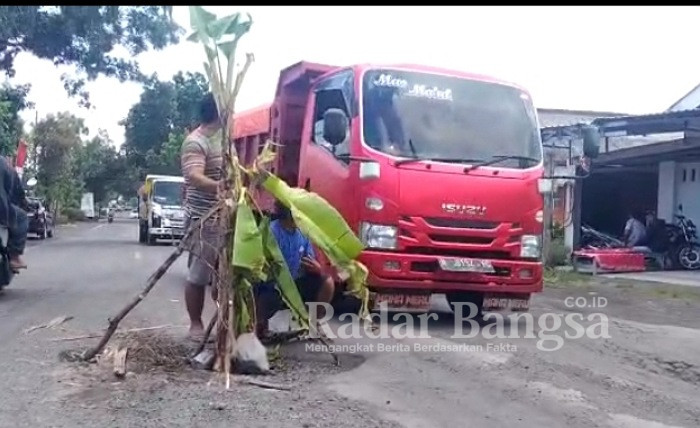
(134, 213)
(41, 220)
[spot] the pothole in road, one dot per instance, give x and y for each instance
(150, 352)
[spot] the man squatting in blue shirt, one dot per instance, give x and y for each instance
(313, 283)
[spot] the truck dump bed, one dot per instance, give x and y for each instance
(282, 121)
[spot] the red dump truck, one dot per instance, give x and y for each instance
(437, 171)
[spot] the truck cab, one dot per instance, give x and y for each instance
(437, 171)
(160, 207)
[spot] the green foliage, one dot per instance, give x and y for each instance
(220, 37)
(13, 99)
(67, 166)
(253, 246)
(156, 126)
(85, 37)
(73, 214)
(557, 253)
(558, 231)
(148, 123)
(57, 138)
(189, 89)
(100, 167)
(247, 252)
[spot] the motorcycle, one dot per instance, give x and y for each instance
(684, 242)
(6, 273)
(591, 238)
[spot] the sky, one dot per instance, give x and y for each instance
(633, 60)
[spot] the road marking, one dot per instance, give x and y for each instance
(98, 226)
(137, 255)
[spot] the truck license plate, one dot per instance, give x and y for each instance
(403, 301)
(466, 265)
(500, 301)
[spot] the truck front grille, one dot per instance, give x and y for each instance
(461, 224)
(458, 237)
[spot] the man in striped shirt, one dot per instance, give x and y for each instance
(201, 166)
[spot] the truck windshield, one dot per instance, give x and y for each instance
(437, 117)
(167, 193)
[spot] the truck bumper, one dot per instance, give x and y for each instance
(167, 232)
(422, 273)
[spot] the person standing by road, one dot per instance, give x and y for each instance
(635, 232)
(201, 163)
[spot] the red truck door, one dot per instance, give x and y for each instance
(320, 170)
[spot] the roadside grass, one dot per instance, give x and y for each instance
(559, 279)
(666, 291)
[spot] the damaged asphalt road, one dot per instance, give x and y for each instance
(647, 374)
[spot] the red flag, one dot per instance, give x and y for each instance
(21, 154)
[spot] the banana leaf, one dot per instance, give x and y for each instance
(199, 21)
(242, 296)
(247, 251)
(318, 220)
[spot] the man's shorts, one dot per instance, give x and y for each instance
(204, 251)
(269, 300)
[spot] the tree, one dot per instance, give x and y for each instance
(57, 138)
(13, 99)
(85, 37)
(167, 160)
(189, 89)
(149, 122)
(156, 126)
(100, 168)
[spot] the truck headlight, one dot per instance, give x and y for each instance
(530, 247)
(378, 236)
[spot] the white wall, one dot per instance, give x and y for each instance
(688, 189)
(679, 183)
(666, 200)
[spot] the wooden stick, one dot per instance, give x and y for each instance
(120, 362)
(152, 281)
(207, 333)
(114, 321)
(266, 385)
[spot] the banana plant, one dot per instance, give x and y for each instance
(253, 251)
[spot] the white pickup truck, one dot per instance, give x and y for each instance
(161, 214)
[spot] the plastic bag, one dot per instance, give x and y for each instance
(250, 355)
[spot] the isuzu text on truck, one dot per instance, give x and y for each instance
(436, 170)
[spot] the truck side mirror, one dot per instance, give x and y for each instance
(591, 141)
(335, 126)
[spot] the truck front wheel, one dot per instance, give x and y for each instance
(474, 297)
(142, 233)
